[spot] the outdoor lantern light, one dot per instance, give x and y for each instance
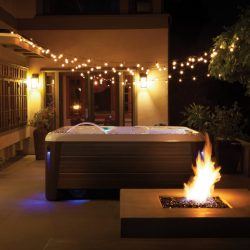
(76, 106)
(34, 81)
(144, 80)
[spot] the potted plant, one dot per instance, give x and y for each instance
(43, 122)
(228, 125)
(225, 126)
(198, 117)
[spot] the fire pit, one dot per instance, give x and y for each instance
(142, 215)
(199, 189)
(182, 202)
(195, 211)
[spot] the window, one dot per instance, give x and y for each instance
(13, 97)
(140, 6)
(80, 7)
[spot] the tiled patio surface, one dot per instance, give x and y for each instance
(28, 221)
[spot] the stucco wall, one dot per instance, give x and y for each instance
(27, 8)
(152, 102)
(130, 46)
(19, 8)
(10, 140)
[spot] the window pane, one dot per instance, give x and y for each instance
(140, 6)
(78, 7)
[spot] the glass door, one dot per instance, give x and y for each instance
(76, 99)
(105, 104)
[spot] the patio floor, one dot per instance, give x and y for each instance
(28, 221)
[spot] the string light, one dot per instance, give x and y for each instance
(89, 66)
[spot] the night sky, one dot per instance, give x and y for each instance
(194, 23)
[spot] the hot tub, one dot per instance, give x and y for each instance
(93, 157)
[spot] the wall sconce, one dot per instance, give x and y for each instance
(34, 83)
(143, 80)
(76, 107)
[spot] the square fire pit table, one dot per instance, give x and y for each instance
(142, 215)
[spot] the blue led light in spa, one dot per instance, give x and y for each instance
(77, 202)
(48, 157)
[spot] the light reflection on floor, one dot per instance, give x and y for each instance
(38, 203)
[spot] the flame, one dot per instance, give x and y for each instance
(201, 186)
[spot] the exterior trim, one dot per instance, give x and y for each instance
(8, 18)
(92, 22)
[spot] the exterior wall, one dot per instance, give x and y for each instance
(15, 139)
(137, 39)
(152, 102)
(28, 8)
(144, 46)
(19, 8)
